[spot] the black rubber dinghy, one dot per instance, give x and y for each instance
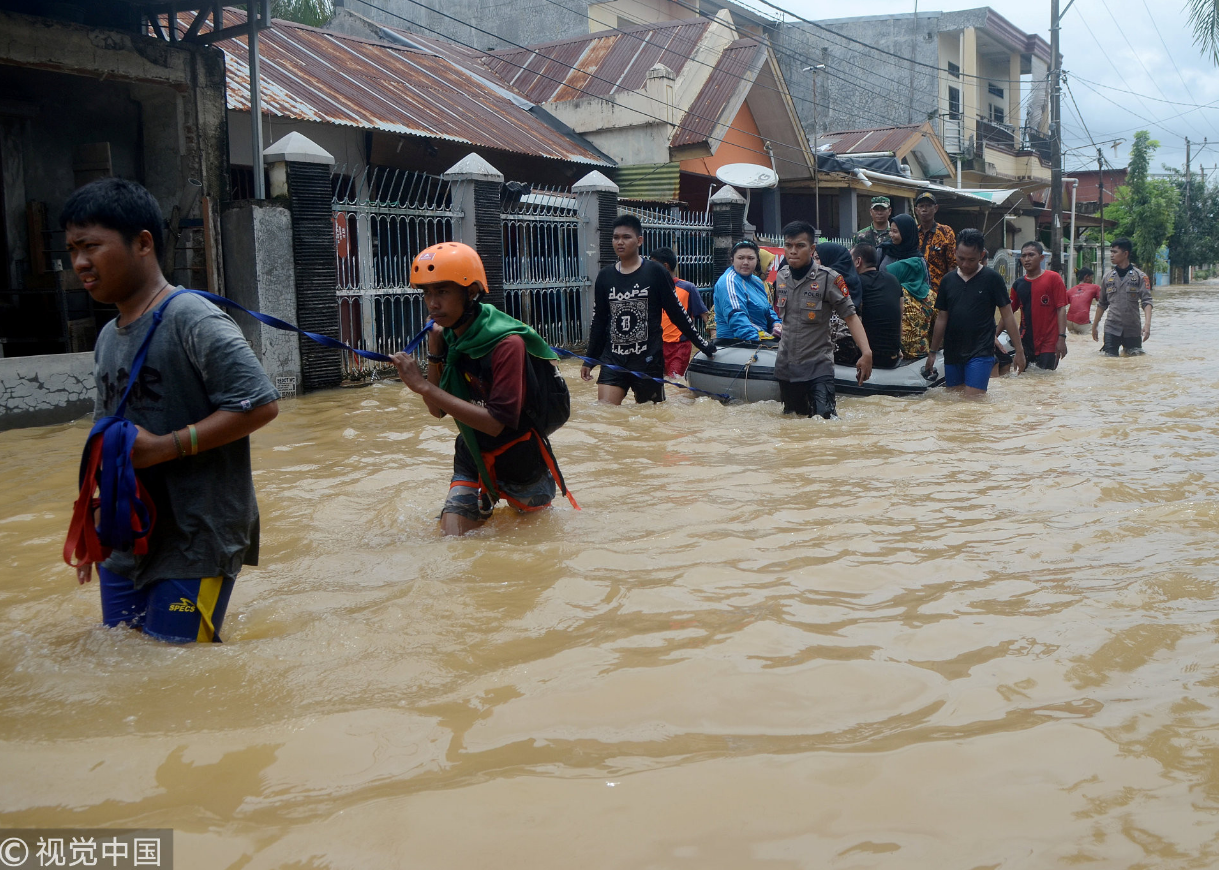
(746, 372)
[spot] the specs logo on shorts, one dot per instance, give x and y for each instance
(184, 605)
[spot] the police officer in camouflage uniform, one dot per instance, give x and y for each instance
(879, 228)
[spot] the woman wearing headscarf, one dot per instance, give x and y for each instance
(900, 257)
(742, 305)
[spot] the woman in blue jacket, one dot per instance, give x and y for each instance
(742, 306)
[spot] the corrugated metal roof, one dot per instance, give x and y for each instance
(656, 182)
(599, 64)
(868, 141)
(316, 75)
(735, 69)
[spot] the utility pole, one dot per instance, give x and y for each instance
(258, 15)
(816, 170)
(1187, 185)
(1055, 141)
(1189, 182)
(1100, 250)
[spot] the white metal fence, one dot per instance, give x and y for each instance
(544, 275)
(382, 219)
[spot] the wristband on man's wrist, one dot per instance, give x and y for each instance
(435, 358)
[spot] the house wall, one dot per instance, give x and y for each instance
(345, 144)
(618, 13)
(483, 24)
(997, 71)
(860, 88)
(742, 143)
(160, 110)
(45, 390)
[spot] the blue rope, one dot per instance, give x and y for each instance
(324, 340)
(596, 362)
(327, 341)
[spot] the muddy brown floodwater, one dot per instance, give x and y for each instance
(932, 634)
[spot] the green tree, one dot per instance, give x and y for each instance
(1204, 18)
(1195, 236)
(315, 13)
(1144, 208)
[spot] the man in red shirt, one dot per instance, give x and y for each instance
(1041, 297)
(1080, 298)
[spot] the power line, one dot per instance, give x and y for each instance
(1109, 60)
(1143, 96)
(535, 53)
(1067, 81)
(1154, 81)
(869, 46)
(941, 104)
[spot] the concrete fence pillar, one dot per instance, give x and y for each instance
(848, 213)
(476, 187)
(597, 209)
(727, 226)
(304, 178)
(259, 273)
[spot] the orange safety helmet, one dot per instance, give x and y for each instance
(449, 261)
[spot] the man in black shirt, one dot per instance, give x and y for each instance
(965, 318)
(881, 310)
(628, 298)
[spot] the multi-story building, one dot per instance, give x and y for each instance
(979, 80)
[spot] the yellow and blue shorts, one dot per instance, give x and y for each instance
(175, 611)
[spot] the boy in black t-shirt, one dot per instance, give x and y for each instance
(965, 318)
(628, 298)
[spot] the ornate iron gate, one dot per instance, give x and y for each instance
(382, 219)
(544, 276)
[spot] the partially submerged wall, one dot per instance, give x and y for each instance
(44, 390)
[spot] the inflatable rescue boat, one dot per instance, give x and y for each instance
(746, 372)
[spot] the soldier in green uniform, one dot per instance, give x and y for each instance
(879, 228)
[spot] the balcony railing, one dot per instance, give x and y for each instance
(997, 135)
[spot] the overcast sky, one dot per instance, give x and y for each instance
(1115, 43)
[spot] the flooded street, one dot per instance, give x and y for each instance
(932, 634)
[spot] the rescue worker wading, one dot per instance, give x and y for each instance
(495, 377)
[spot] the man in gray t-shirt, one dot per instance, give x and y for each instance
(198, 362)
(196, 399)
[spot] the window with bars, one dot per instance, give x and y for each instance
(954, 104)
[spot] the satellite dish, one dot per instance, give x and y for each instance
(747, 175)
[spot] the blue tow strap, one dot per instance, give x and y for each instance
(327, 341)
(125, 513)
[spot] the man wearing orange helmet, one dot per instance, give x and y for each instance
(627, 329)
(494, 376)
